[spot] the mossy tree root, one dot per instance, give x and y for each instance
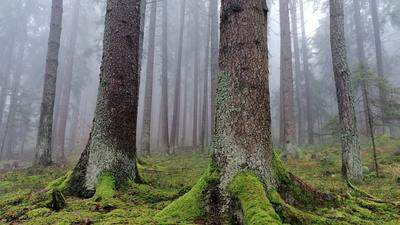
(296, 192)
(191, 205)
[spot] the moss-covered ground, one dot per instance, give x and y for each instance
(168, 178)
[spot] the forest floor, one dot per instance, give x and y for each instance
(167, 178)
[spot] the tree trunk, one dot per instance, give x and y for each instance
(287, 95)
(214, 5)
(148, 95)
(11, 122)
(196, 74)
(111, 147)
(43, 155)
(66, 90)
(299, 76)
(164, 86)
(73, 130)
(378, 53)
(351, 153)
(177, 84)
(307, 78)
(361, 58)
(243, 137)
(204, 130)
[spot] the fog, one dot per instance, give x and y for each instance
(24, 24)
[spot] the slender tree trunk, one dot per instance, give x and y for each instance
(111, 147)
(15, 87)
(378, 53)
(74, 122)
(214, 5)
(298, 74)
(351, 153)
(164, 73)
(177, 95)
(361, 59)
(148, 95)
(287, 97)
(44, 151)
(204, 130)
(196, 75)
(69, 71)
(307, 78)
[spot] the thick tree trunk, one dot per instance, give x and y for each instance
(298, 74)
(68, 75)
(351, 153)
(243, 138)
(287, 95)
(43, 155)
(164, 79)
(307, 78)
(148, 93)
(111, 148)
(177, 84)
(6, 78)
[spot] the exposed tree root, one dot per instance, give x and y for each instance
(190, 206)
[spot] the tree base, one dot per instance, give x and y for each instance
(291, 201)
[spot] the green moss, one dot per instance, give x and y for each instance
(60, 183)
(37, 212)
(256, 207)
(105, 188)
(190, 206)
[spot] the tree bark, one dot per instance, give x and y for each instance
(111, 146)
(351, 153)
(307, 79)
(174, 141)
(69, 71)
(287, 95)
(148, 95)
(44, 150)
(242, 134)
(164, 79)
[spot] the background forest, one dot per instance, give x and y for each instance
(55, 109)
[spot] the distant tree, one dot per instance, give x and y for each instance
(308, 78)
(204, 129)
(196, 74)
(67, 80)
(164, 81)
(111, 147)
(288, 126)
(299, 79)
(148, 94)
(44, 150)
(177, 83)
(351, 152)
